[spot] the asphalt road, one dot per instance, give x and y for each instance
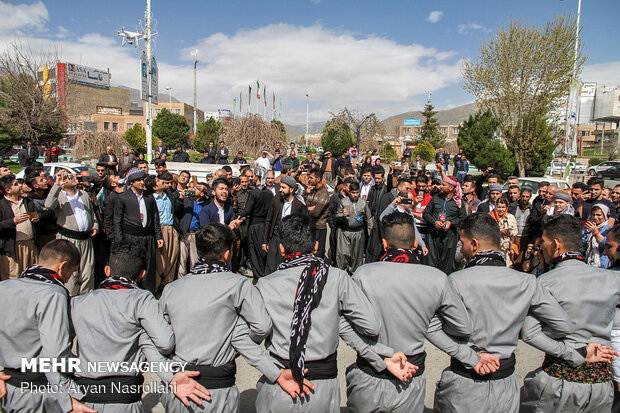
(528, 359)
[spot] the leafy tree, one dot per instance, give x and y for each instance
(337, 137)
(280, 126)
(388, 153)
(430, 130)
(172, 128)
(426, 151)
(543, 144)
(207, 131)
(136, 138)
(521, 75)
(479, 141)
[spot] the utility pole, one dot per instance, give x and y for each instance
(195, 53)
(566, 129)
(307, 112)
(169, 89)
(149, 64)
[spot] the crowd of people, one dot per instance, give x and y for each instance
(384, 257)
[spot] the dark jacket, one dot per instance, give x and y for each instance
(47, 217)
(127, 216)
(274, 216)
(257, 206)
(374, 197)
(108, 214)
(8, 230)
(105, 159)
(290, 163)
(122, 166)
(239, 161)
(180, 156)
(209, 214)
(340, 162)
(27, 156)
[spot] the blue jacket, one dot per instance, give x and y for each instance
(209, 214)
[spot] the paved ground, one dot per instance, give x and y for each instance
(528, 359)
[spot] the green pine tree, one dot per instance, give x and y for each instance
(430, 129)
(207, 131)
(172, 128)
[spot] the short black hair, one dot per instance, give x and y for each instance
(185, 172)
(378, 171)
(354, 186)
(349, 171)
(317, 172)
(213, 240)
(127, 259)
(165, 176)
(615, 231)
(469, 178)
(398, 230)
(141, 161)
(565, 228)
(493, 176)
(543, 183)
(59, 250)
(596, 181)
(159, 162)
(32, 169)
(481, 226)
(580, 185)
(350, 181)
(227, 168)
(514, 186)
(365, 168)
(219, 181)
(422, 178)
(298, 234)
(150, 183)
(103, 164)
(527, 189)
(107, 183)
(6, 182)
(30, 179)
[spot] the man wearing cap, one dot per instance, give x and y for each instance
(180, 155)
(282, 206)
(136, 219)
(443, 215)
(494, 193)
(125, 161)
(561, 204)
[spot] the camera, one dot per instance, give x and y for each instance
(405, 198)
(190, 194)
(535, 247)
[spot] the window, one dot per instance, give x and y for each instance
(442, 131)
(455, 131)
(115, 126)
(177, 111)
(106, 126)
(129, 125)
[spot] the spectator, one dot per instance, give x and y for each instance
(594, 233)
(291, 162)
(180, 155)
(508, 229)
(222, 154)
(125, 161)
(239, 159)
(28, 155)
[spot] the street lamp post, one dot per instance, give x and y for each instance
(169, 89)
(195, 54)
(307, 112)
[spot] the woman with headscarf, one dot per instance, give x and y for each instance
(594, 233)
(507, 226)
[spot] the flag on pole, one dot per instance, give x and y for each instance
(257, 90)
(234, 107)
(240, 104)
(249, 97)
(280, 109)
(274, 101)
(265, 94)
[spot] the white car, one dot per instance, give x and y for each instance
(52, 169)
(533, 183)
(603, 166)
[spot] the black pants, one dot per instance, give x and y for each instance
(255, 250)
(274, 257)
(321, 237)
(615, 408)
(333, 246)
(150, 246)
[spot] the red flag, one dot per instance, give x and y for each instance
(265, 94)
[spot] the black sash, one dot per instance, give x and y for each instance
(366, 367)
(506, 369)
(31, 378)
(317, 369)
(112, 389)
(215, 377)
(82, 235)
(138, 231)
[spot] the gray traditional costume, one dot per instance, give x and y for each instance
(419, 292)
(495, 331)
(590, 296)
(203, 309)
(340, 296)
(350, 237)
(38, 325)
(130, 315)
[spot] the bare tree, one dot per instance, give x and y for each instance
(365, 128)
(521, 75)
(251, 134)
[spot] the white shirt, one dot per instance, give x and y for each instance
(264, 162)
(220, 213)
(79, 211)
(365, 190)
(286, 209)
(272, 189)
(142, 207)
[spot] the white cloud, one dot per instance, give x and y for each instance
(62, 32)
(604, 74)
(22, 17)
(434, 16)
(336, 69)
(471, 27)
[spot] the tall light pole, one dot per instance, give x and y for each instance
(307, 112)
(195, 54)
(169, 89)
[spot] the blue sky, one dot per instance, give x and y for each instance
(380, 57)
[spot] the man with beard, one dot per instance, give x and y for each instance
(590, 296)
(39, 325)
(428, 295)
(481, 191)
(373, 246)
(615, 198)
(470, 200)
(522, 215)
(579, 194)
(514, 194)
(282, 206)
(596, 190)
(495, 193)
(443, 215)
(136, 219)
(255, 212)
(241, 193)
(355, 217)
(317, 202)
(46, 226)
(341, 192)
(495, 330)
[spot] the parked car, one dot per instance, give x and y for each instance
(579, 168)
(52, 169)
(556, 167)
(594, 170)
(533, 182)
(612, 172)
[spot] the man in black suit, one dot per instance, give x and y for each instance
(282, 206)
(161, 148)
(28, 155)
(109, 158)
(136, 219)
